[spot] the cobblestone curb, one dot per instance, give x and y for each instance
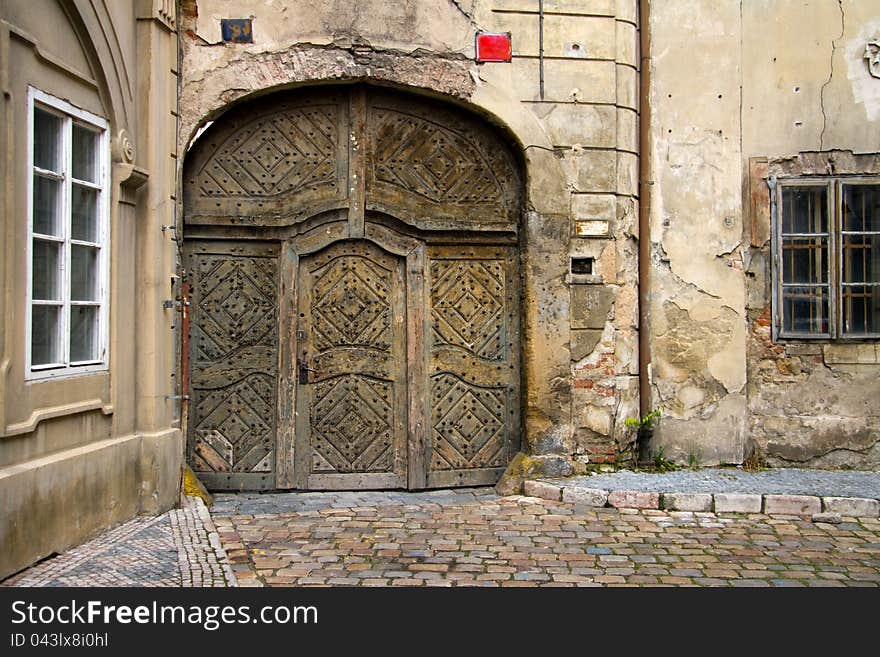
(219, 554)
(770, 504)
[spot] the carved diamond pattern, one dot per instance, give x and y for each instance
(467, 305)
(236, 305)
(468, 425)
(351, 305)
(351, 425)
(274, 155)
(232, 434)
(268, 156)
(432, 161)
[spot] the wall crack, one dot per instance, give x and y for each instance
(830, 75)
(470, 18)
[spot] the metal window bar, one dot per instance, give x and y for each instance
(858, 257)
(819, 293)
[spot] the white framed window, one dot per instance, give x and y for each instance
(68, 239)
(826, 263)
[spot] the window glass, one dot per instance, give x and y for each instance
(47, 205)
(46, 261)
(83, 273)
(861, 208)
(84, 209)
(805, 259)
(805, 310)
(85, 151)
(805, 210)
(83, 333)
(861, 309)
(44, 335)
(47, 141)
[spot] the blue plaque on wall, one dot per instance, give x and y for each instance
(237, 30)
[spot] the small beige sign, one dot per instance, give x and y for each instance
(591, 227)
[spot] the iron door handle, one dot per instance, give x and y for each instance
(303, 371)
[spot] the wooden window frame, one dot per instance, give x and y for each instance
(69, 115)
(835, 185)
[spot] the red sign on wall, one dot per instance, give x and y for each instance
(494, 47)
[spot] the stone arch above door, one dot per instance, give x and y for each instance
(279, 159)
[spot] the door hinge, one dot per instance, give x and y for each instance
(171, 303)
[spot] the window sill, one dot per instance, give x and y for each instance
(65, 373)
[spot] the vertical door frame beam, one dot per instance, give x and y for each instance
(357, 174)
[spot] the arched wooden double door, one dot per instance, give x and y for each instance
(353, 266)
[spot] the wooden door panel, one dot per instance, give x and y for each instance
(351, 392)
(270, 164)
(233, 364)
(437, 167)
(474, 364)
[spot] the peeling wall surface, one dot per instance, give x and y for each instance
(577, 137)
(741, 92)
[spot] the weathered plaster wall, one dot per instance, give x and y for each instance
(771, 80)
(579, 143)
(809, 404)
(697, 289)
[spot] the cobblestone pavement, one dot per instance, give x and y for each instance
(473, 538)
(782, 481)
(178, 548)
(261, 503)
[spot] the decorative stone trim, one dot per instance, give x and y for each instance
(769, 504)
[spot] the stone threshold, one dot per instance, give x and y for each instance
(821, 509)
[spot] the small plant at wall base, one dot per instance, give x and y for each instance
(661, 463)
(755, 462)
(644, 428)
(694, 460)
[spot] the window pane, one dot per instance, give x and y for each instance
(47, 206)
(861, 207)
(861, 258)
(83, 333)
(83, 273)
(804, 209)
(44, 335)
(47, 141)
(84, 214)
(45, 280)
(805, 259)
(861, 309)
(805, 310)
(85, 151)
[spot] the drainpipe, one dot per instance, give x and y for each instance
(644, 205)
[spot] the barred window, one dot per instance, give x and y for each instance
(67, 290)
(827, 258)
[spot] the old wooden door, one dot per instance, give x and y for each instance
(353, 255)
(351, 369)
(233, 363)
(473, 364)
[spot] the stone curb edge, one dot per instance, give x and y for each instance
(769, 504)
(214, 539)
